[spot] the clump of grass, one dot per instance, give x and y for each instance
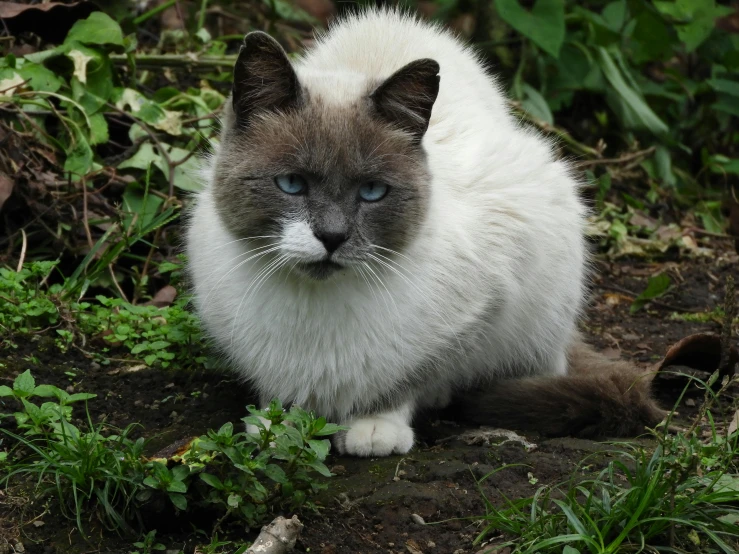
(100, 472)
(681, 497)
(160, 337)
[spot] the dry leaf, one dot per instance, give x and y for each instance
(6, 188)
(734, 424)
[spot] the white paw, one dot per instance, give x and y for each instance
(377, 436)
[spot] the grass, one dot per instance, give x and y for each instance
(158, 337)
(682, 496)
(99, 473)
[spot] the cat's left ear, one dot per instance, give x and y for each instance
(406, 97)
(264, 79)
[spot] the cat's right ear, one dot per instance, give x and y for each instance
(264, 79)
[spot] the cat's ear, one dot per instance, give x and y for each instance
(264, 79)
(408, 95)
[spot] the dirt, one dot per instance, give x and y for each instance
(379, 505)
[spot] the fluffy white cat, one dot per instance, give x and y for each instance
(379, 232)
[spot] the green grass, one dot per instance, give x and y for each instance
(158, 337)
(100, 473)
(682, 496)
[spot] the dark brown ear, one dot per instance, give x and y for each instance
(407, 96)
(264, 80)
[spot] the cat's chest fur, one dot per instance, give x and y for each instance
(334, 348)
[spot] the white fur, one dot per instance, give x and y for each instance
(491, 286)
(299, 242)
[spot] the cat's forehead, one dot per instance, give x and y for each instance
(330, 139)
(334, 88)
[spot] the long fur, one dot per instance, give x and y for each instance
(490, 289)
(598, 398)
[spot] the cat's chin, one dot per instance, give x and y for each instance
(319, 271)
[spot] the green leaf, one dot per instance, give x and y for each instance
(99, 28)
(5, 391)
(329, 429)
(159, 344)
(724, 85)
(41, 79)
(98, 129)
(321, 468)
(24, 384)
(212, 480)
(180, 472)
(76, 397)
(226, 430)
(151, 482)
(535, 104)
(321, 448)
(569, 550)
(79, 160)
(179, 501)
(656, 287)
(644, 114)
(276, 473)
(544, 24)
(234, 500)
(177, 486)
(47, 391)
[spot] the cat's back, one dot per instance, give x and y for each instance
(372, 44)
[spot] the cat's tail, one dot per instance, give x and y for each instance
(598, 398)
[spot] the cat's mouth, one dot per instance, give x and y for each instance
(320, 270)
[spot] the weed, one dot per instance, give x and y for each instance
(147, 545)
(157, 336)
(102, 470)
(682, 496)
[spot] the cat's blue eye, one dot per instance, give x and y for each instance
(372, 191)
(292, 183)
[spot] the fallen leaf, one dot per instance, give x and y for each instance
(701, 351)
(640, 219)
(51, 21)
(695, 356)
(6, 188)
(9, 85)
(164, 297)
(413, 547)
(734, 424)
(80, 60)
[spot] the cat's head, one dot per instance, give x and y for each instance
(329, 184)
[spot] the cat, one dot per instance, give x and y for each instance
(379, 233)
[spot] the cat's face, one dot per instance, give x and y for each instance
(319, 186)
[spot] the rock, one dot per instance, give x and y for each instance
(417, 519)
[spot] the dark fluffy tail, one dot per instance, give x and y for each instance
(598, 398)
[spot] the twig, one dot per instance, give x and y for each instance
(659, 303)
(729, 315)
(563, 135)
(24, 245)
(709, 233)
(7, 299)
(85, 222)
(177, 60)
(631, 156)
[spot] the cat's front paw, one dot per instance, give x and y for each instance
(376, 436)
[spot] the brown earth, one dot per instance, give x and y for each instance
(378, 505)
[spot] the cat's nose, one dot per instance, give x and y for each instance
(331, 241)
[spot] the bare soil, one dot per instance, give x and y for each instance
(376, 505)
